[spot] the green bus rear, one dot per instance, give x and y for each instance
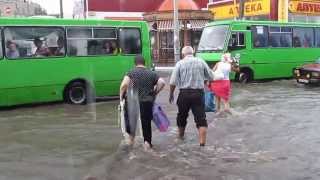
(96, 56)
(266, 50)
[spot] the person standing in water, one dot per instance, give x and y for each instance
(189, 75)
(222, 87)
(147, 84)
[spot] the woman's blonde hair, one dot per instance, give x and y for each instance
(226, 57)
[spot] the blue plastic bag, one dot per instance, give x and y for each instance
(160, 119)
(209, 101)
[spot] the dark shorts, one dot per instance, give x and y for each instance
(191, 99)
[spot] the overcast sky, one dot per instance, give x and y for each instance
(53, 6)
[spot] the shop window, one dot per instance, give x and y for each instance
(130, 41)
(195, 39)
(303, 37)
(35, 42)
(260, 36)
(166, 45)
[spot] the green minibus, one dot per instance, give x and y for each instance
(265, 49)
(45, 60)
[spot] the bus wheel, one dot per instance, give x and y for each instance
(245, 76)
(76, 93)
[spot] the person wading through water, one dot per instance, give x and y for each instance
(189, 75)
(147, 84)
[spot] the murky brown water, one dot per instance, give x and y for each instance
(272, 134)
(56, 141)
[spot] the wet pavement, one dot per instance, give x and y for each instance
(272, 134)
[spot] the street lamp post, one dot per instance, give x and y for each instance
(61, 9)
(241, 9)
(176, 41)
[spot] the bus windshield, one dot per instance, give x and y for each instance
(213, 38)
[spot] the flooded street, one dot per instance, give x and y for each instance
(272, 134)
(56, 141)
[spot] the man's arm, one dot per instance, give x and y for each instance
(173, 82)
(208, 72)
(124, 86)
(171, 96)
(160, 85)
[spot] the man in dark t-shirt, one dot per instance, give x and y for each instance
(147, 84)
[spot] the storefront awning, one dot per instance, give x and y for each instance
(165, 26)
(196, 25)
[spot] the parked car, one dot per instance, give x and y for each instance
(308, 73)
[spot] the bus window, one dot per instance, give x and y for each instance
(280, 37)
(317, 38)
(92, 41)
(237, 41)
(130, 41)
(106, 41)
(213, 38)
(78, 41)
(303, 37)
(260, 36)
(1, 54)
(38, 42)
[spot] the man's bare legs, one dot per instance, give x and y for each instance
(202, 135)
(181, 133)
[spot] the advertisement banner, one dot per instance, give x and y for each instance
(251, 8)
(310, 7)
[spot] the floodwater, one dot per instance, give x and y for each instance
(272, 134)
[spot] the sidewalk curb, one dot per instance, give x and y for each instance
(164, 69)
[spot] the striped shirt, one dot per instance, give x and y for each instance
(190, 73)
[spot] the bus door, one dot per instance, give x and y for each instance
(237, 46)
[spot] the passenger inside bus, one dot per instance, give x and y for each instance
(273, 41)
(41, 51)
(12, 51)
(60, 51)
(114, 48)
(259, 41)
(296, 41)
(106, 48)
(93, 47)
(306, 41)
(284, 42)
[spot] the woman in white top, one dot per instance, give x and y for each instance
(221, 85)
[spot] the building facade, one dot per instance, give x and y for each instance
(278, 10)
(124, 9)
(20, 8)
(191, 21)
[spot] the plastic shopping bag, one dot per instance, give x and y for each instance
(209, 101)
(160, 119)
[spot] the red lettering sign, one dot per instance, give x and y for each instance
(308, 7)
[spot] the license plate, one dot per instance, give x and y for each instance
(303, 80)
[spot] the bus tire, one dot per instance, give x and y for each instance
(245, 76)
(79, 93)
